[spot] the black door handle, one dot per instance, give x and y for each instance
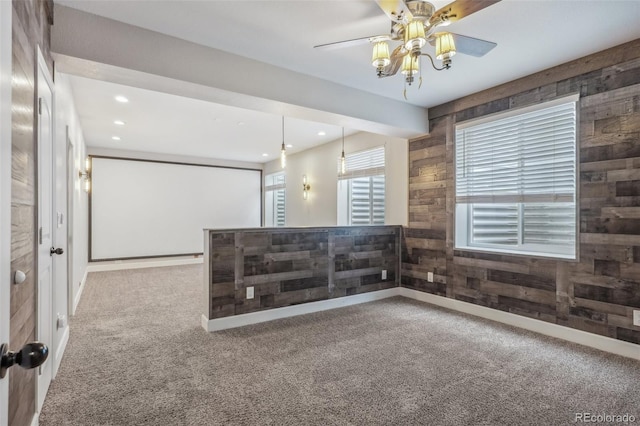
(53, 251)
(31, 355)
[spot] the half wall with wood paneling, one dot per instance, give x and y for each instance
(290, 266)
(597, 294)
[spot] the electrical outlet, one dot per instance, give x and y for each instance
(384, 274)
(636, 318)
(249, 292)
(430, 277)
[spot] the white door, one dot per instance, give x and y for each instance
(44, 330)
(5, 193)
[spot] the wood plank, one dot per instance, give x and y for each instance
(546, 297)
(488, 264)
(613, 239)
(607, 308)
(291, 255)
(621, 212)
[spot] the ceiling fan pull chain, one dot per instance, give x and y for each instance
(420, 82)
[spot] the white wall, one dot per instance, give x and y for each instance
(66, 115)
(320, 166)
(149, 208)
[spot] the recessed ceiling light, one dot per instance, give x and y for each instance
(265, 155)
(122, 99)
(115, 138)
(289, 146)
(321, 133)
(119, 122)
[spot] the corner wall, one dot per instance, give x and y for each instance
(597, 294)
(320, 166)
(67, 118)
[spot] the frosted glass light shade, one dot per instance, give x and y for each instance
(410, 65)
(414, 37)
(445, 46)
(380, 57)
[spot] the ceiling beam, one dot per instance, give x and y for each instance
(92, 46)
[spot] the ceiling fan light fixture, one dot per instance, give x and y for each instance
(414, 36)
(445, 46)
(410, 65)
(380, 57)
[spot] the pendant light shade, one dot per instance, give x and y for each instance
(445, 46)
(343, 160)
(283, 149)
(410, 65)
(414, 37)
(380, 57)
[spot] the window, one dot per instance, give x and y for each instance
(274, 199)
(361, 189)
(516, 181)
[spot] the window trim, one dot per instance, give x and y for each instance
(463, 227)
(272, 189)
(377, 169)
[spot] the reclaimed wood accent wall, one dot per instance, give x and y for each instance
(31, 24)
(597, 294)
(290, 266)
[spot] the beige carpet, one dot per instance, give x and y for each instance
(137, 356)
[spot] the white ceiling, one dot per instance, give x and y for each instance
(531, 36)
(168, 124)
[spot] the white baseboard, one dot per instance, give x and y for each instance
(118, 265)
(290, 311)
(60, 351)
(596, 341)
(80, 289)
(35, 421)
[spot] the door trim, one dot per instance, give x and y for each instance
(43, 70)
(70, 181)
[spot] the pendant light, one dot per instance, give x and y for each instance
(343, 161)
(283, 150)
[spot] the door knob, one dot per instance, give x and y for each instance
(55, 251)
(31, 355)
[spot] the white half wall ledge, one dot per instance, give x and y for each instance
(120, 265)
(95, 47)
(595, 341)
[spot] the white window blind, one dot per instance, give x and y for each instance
(275, 199)
(516, 181)
(363, 163)
(361, 189)
(367, 201)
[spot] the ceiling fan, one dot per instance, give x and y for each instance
(415, 23)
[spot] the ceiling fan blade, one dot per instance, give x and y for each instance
(459, 9)
(352, 42)
(469, 45)
(396, 10)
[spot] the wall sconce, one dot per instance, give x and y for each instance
(86, 174)
(305, 187)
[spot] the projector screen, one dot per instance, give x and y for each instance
(145, 208)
